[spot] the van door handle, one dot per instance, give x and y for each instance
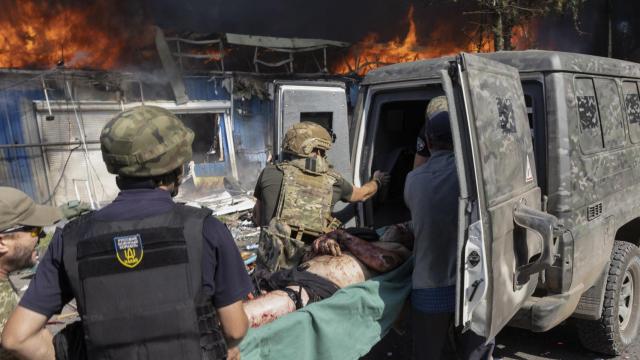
(543, 224)
(475, 286)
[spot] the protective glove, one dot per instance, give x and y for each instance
(74, 208)
(381, 178)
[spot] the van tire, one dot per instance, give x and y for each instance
(613, 332)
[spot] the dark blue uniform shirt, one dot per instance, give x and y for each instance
(223, 273)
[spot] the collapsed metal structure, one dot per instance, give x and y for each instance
(50, 120)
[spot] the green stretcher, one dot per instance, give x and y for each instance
(344, 326)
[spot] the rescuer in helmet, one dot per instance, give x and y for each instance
(152, 279)
(295, 197)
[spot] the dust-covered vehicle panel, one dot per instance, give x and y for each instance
(570, 122)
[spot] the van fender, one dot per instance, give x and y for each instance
(592, 300)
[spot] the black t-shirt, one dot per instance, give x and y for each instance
(268, 190)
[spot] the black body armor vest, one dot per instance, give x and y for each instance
(138, 287)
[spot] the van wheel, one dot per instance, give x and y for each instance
(618, 325)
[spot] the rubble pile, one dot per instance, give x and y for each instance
(245, 235)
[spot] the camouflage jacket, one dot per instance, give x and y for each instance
(8, 302)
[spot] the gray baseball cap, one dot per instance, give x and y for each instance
(17, 208)
(439, 128)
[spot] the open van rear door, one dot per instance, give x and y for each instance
(322, 102)
(504, 238)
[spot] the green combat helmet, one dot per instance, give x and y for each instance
(303, 137)
(436, 105)
(145, 141)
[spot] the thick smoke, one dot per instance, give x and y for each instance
(331, 19)
(352, 20)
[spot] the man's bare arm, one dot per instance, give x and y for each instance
(376, 258)
(369, 189)
(25, 335)
(364, 192)
(234, 326)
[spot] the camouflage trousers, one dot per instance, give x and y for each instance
(277, 250)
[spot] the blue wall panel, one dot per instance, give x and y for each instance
(11, 132)
(200, 88)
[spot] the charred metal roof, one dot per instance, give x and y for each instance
(281, 43)
(524, 61)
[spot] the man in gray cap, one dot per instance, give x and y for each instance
(436, 105)
(431, 194)
(21, 222)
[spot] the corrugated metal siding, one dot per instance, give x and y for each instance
(200, 88)
(74, 177)
(15, 168)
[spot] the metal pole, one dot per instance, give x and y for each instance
(46, 95)
(84, 147)
(324, 64)
(44, 145)
(221, 49)
(229, 132)
(255, 59)
(179, 55)
(141, 92)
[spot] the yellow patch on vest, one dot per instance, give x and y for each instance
(129, 250)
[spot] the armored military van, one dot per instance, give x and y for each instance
(547, 149)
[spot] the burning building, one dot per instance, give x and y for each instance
(64, 75)
(67, 67)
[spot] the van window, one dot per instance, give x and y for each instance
(611, 112)
(395, 118)
(534, 100)
(590, 127)
(324, 119)
(632, 107)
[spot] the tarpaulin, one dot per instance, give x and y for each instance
(344, 326)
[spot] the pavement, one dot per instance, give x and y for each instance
(560, 343)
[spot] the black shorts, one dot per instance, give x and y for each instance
(317, 287)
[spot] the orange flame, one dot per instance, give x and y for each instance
(444, 39)
(36, 36)
(215, 54)
(524, 36)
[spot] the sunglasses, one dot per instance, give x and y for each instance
(35, 231)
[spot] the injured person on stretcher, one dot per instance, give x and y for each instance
(335, 260)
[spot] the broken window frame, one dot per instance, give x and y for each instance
(219, 107)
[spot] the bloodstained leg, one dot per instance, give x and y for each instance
(272, 305)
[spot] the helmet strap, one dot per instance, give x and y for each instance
(314, 164)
